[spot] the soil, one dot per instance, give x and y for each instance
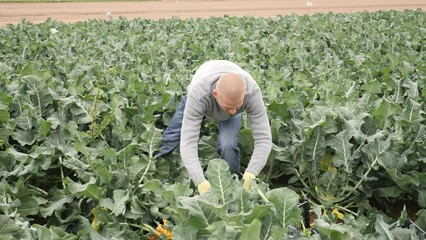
(13, 13)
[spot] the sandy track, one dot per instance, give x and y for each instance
(71, 11)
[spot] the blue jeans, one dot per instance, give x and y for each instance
(227, 145)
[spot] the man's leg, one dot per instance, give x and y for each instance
(227, 145)
(171, 136)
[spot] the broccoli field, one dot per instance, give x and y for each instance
(83, 107)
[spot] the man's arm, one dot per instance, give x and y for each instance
(259, 123)
(190, 133)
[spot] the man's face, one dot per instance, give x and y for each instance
(230, 107)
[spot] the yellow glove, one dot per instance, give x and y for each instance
(248, 177)
(204, 187)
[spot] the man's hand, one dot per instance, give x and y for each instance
(248, 177)
(204, 187)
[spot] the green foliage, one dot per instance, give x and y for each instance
(83, 107)
(228, 210)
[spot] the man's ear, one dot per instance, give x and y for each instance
(214, 92)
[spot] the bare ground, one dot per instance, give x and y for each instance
(13, 13)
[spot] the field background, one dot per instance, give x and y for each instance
(83, 106)
(36, 12)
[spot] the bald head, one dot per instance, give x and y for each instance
(229, 92)
(232, 86)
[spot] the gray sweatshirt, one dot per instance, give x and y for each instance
(200, 103)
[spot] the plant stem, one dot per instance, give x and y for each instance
(347, 210)
(369, 169)
(39, 189)
(301, 180)
(93, 114)
(62, 172)
(262, 195)
(271, 165)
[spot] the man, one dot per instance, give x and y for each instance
(220, 90)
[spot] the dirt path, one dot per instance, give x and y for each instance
(72, 11)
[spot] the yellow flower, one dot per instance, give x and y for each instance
(95, 224)
(338, 214)
(162, 231)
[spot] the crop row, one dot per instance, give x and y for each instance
(83, 106)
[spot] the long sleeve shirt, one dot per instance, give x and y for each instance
(201, 102)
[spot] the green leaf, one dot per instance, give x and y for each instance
(280, 109)
(90, 232)
(103, 216)
(373, 86)
(385, 112)
(412, 112)
(241, 202)
(39, 95)
(411, 88)
(4, 116)
(403, 216)
(117, 205)
(267, 225)
(30, 205)
(201, 212)
(421, 199)
(90, 189)
(184, 233)
(220, 178)
(207, 146)
(222, 230)
(138, 164)
(42, 232)
(317, 116)
(150, 139)
(343, 148)
(8, 227)
(52, 233)
(278, 233)
(374, 152)
(81, 110)
(382, 227)
(25, 120)
(24, 137)
(4, 68)
(404, 234)
(258, 212)
(394, 163)
(392, 192)
(246, 140)
(19, 189)
(155, 103)
(45, 127)
(60, 139)
(286, 210)
(421, 218)
(315, 150)
(251, 231)
(336, 231)
(31, 69)
(56, 203)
